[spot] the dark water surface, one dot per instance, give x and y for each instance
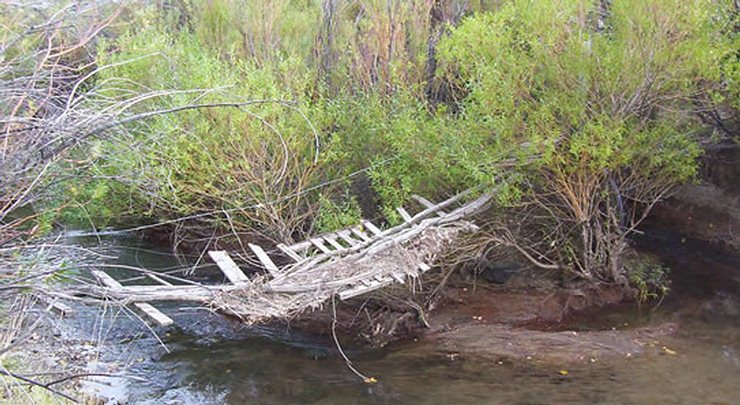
(210, 360)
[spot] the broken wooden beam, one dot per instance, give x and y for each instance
(371, 227)
(332, 240)
(319, 244)
(228, 267)
(267, 263)
(427, 204)
(54, 304)
(148, 309)
(143, 293)
(346, 236)
(289, 252)
(363, 289)
(357, 231)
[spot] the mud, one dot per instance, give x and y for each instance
(709, 208)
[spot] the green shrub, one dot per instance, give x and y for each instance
(650, 279)
(596, 122)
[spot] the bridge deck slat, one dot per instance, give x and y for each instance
(56, 305)
(353, 292)
(289, 252)
(154, 313)
(357, 231)
(319, 244)
(158, 279)
(345, 235)
(267, 263)
(228, 267)
(428, 204)
(404, 214)
(333, 241)
(144, 307)
(399, 278)
(371, 227)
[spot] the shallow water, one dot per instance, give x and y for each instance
(212, 360)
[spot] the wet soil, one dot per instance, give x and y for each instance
(496, 324)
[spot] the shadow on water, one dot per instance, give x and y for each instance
(213, 360)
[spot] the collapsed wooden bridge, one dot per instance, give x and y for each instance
(346, 263)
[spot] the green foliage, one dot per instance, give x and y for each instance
(541, 81)
(650, 279)
(588, 123)
(222, 158)
(592, 120)
(333, 216)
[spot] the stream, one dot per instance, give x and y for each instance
(206, 359)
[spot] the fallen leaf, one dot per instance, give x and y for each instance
(669, 351)
(563, 372)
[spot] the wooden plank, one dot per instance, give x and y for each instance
(372, 228)
(228, 267)
(332, 239)
(56, 305)
(319, 244)
(357, 231)
(428, 204)
(398, 277)
(268, 264)
(301, 247)
(154, 313)
(107, 280)
(359, 290)
(404, 214)
(148, 309)
(197, 293)
(289, 252)
(345, 235)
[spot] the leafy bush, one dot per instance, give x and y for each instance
(651, 279)
(594, 114)
(581, 113)
(213, 158)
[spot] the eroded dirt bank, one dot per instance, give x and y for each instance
(500, 322)
(699, 223)
(553, 324)
(538, 325)
(709, 208)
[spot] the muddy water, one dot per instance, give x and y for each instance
(206, 359)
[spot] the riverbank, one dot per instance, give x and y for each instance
(687, 353)
(54, 361)
(483, 340)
